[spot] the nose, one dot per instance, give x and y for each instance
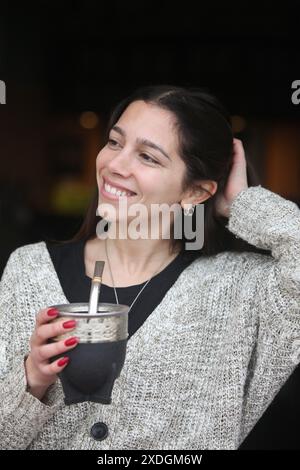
(120, 164)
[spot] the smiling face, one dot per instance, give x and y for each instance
(141, 158)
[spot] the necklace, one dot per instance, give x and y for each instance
(145, 285)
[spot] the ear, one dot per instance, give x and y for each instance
(203, 190)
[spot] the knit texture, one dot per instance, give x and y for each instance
(200, 371)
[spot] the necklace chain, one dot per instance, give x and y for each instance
(147, 282)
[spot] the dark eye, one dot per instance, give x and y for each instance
(145, 157)
(112, 142)
(151, 159)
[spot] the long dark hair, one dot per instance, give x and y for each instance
(205, 145)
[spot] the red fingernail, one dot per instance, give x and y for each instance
(63, 361)
(69, 324)
(52, 312)
(71, 341)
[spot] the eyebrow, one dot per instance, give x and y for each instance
(146, 142)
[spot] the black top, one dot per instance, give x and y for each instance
(68, 260)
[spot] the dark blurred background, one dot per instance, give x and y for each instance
(66, 64)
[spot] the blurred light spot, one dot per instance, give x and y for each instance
(70, 196)
(88, 120)
(238, 124)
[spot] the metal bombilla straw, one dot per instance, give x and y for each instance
(95, 288)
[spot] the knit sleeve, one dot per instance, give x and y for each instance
(21, 414)
(268, 221)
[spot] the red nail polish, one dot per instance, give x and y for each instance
(69, 324)
(52, 312)
(63, 361)
(71, 341)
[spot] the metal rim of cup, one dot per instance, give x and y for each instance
(104, 310)
(90, 328)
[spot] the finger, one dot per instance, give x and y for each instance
(55, 367)
(57, 328)
(237, 141)
(47, 351)
(238, 151)
(45, 315)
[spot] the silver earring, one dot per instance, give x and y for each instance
(189, 210)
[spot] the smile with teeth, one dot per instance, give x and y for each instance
(116, 191)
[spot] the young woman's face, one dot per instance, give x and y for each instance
(149, 175)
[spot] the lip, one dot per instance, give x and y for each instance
(111, 183)
(112, 196)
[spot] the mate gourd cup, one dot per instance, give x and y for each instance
(98, 358)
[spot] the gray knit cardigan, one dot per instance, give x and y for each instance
(200, 371)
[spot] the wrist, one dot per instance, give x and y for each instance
(35, 385)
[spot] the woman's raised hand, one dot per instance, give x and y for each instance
(236, 182)
(40, 372)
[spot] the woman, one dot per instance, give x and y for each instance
(212, 332)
